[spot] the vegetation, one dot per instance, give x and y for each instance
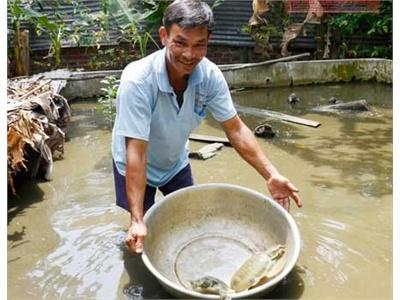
(365, 25)
(135, 21)
(17, 15)
(56, 30)
(369, 28)
(273, 24)
(107, 102)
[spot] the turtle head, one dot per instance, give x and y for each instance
(203, 283)
(277, 252)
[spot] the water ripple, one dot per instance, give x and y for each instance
(86, 263)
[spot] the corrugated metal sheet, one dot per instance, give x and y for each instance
(230, 17)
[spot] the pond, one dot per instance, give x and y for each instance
(65, 237)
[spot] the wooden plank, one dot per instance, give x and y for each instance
(24, 43)
(34, 90)
(263, 63)
(209, 139)
(273, 114)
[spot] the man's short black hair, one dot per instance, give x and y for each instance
(188, 14)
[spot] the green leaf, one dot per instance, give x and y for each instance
(216, 4)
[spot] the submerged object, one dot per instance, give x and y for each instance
(352, 106)
(333, 100)
(293, 98)
(264, 130)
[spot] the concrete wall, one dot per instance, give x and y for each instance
(87, 84)
(311, 72)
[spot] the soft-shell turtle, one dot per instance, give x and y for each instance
(256, 268)
(212, 285)
(293, 98)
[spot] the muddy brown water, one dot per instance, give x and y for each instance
(65, 236)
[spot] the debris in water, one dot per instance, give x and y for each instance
(206, 152)
(133, 292)
(37, 117)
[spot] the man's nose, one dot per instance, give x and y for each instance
(189, 53)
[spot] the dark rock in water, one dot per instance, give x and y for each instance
(352, 106)
(333, 100)
(293, 98)
(264, 130)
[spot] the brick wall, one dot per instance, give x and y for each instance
(228, 55)
(117, 57)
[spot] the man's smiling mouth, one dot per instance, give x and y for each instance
(187, 63)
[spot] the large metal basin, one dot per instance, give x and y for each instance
(211, 229)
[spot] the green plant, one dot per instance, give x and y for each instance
(56, 29)
(130, 19)
(216, 3)
(107, 102)
(271, 24)
(18, 13)
(93, 27)
(110, 58)
(365, 25)
(153, 12)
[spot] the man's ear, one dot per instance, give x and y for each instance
(162, 32)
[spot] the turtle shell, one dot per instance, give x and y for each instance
(255, 268)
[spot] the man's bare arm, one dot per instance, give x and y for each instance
(244, 142)
(136, 159)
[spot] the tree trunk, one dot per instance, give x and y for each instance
(24, 54)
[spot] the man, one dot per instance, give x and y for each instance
(161, 99)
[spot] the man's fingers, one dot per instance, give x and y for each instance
(296, 198)
(130, 243)
(295, 194)
(292, 187)
(135, 243)
(286, 204)
(139, 244)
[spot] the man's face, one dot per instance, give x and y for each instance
(184, 48)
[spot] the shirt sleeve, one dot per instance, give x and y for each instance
(219, 97)
(133, 111)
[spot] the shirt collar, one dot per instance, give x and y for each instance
(162, 75)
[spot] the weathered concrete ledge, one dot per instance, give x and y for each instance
(87, 84)
(312, 72)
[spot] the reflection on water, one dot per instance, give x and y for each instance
(87, 255)
(65, 237)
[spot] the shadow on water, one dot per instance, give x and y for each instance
(140, 277)
(17, 204)
(291, 287)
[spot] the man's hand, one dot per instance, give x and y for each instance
(282, 189)
(135, 237)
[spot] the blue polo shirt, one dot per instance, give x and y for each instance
(147, 109)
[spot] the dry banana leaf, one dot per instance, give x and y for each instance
(37, 117)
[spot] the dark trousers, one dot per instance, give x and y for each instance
(183, 179)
